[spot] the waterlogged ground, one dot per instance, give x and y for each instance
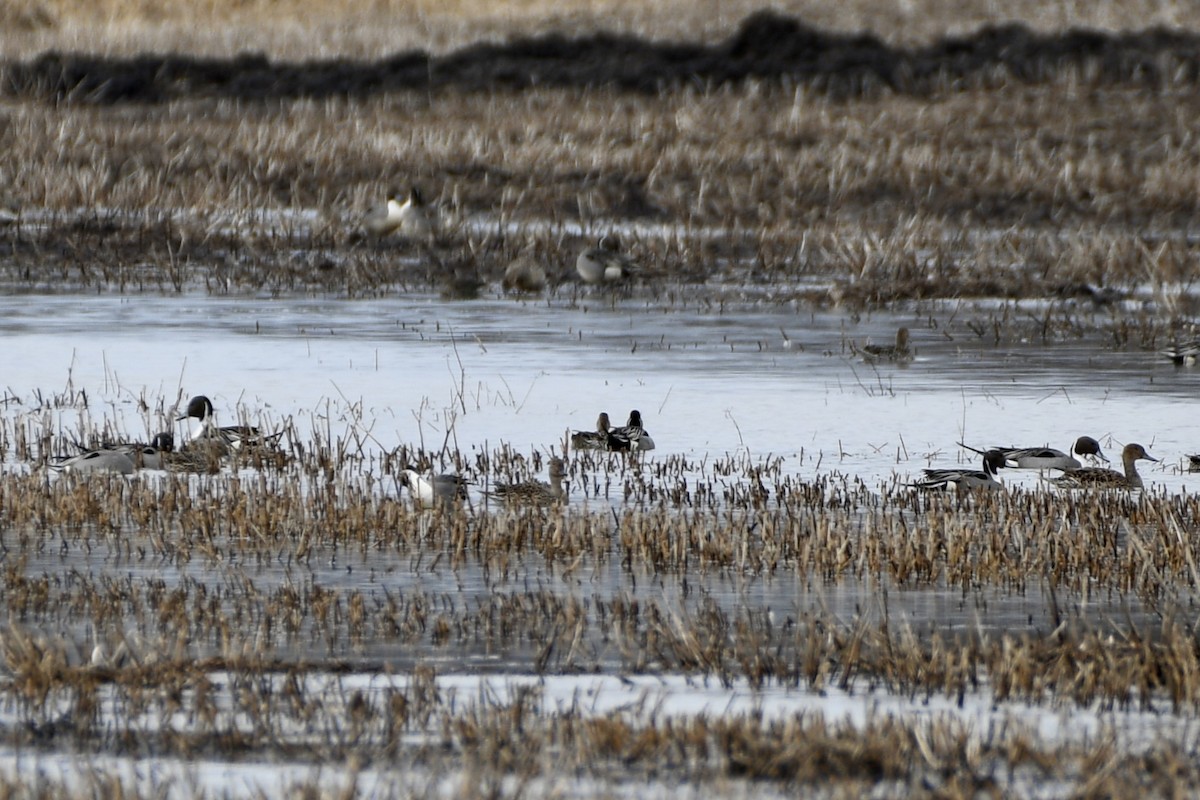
(708, 380)
(721, 374)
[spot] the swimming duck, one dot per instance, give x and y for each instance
(632, 436)
(1047, 457)
(410, 218)
(535, 492)
(603, 263)
(993, 462)
(428, 489)
(889, 352)
(593, 440)
(1100, 478)
(1183, 354)
(234, 437)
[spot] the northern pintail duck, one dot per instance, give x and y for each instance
(428, 489)
(593, 440)
(95, 462)
(1047, 457)
(993, 462)
(410, 218)
(1183, 354)
(535, 492)
(1193, 463)
(632, 436)
(234, 437)
(1101, 478)
(889, 352)
(10, 210)
(524, 275)
(603, 263)
(122, 458)
(147, 456)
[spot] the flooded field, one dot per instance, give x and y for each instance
(823, 264)
(393, 610)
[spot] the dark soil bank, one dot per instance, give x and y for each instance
(767, 46)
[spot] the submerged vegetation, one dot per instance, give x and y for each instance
(295, 607)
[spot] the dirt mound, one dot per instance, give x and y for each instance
(767, 46)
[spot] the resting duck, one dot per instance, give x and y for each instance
(993, 462)
(1100, 478)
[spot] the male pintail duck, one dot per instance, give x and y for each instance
(993, 462)
(121, 458)
(95, 462)
(234, 437)
(603, 263)
(410, 218)
(428, 489)
(889, 352)
(1183, 354)
(632, 436)
(524, 275)
(1047, 457)
(1101, 478)
(593, 440)
(1193, 463)
(147, 456)
(535, 492)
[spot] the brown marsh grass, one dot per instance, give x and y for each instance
(1011, 193)
(299, 29)
(229, 599)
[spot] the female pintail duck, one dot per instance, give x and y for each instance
(234, 437)
(603, 263)
(632, 436)
(889, 352)
(1101, 478)
(593, 440)
(410, 218)
(524, 275)
(535, 492)
(1183, 354)
(428, 489)
(1047, 457)
(993, 462)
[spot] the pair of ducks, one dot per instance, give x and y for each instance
(207, 443)
(446, 489)
(1075, 475)
(630, 438)
(603, 264)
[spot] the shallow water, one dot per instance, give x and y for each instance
(411, 369)
(708, 380)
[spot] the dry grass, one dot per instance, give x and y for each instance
(373, 28)
(1071, 188)
(1017, 192)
